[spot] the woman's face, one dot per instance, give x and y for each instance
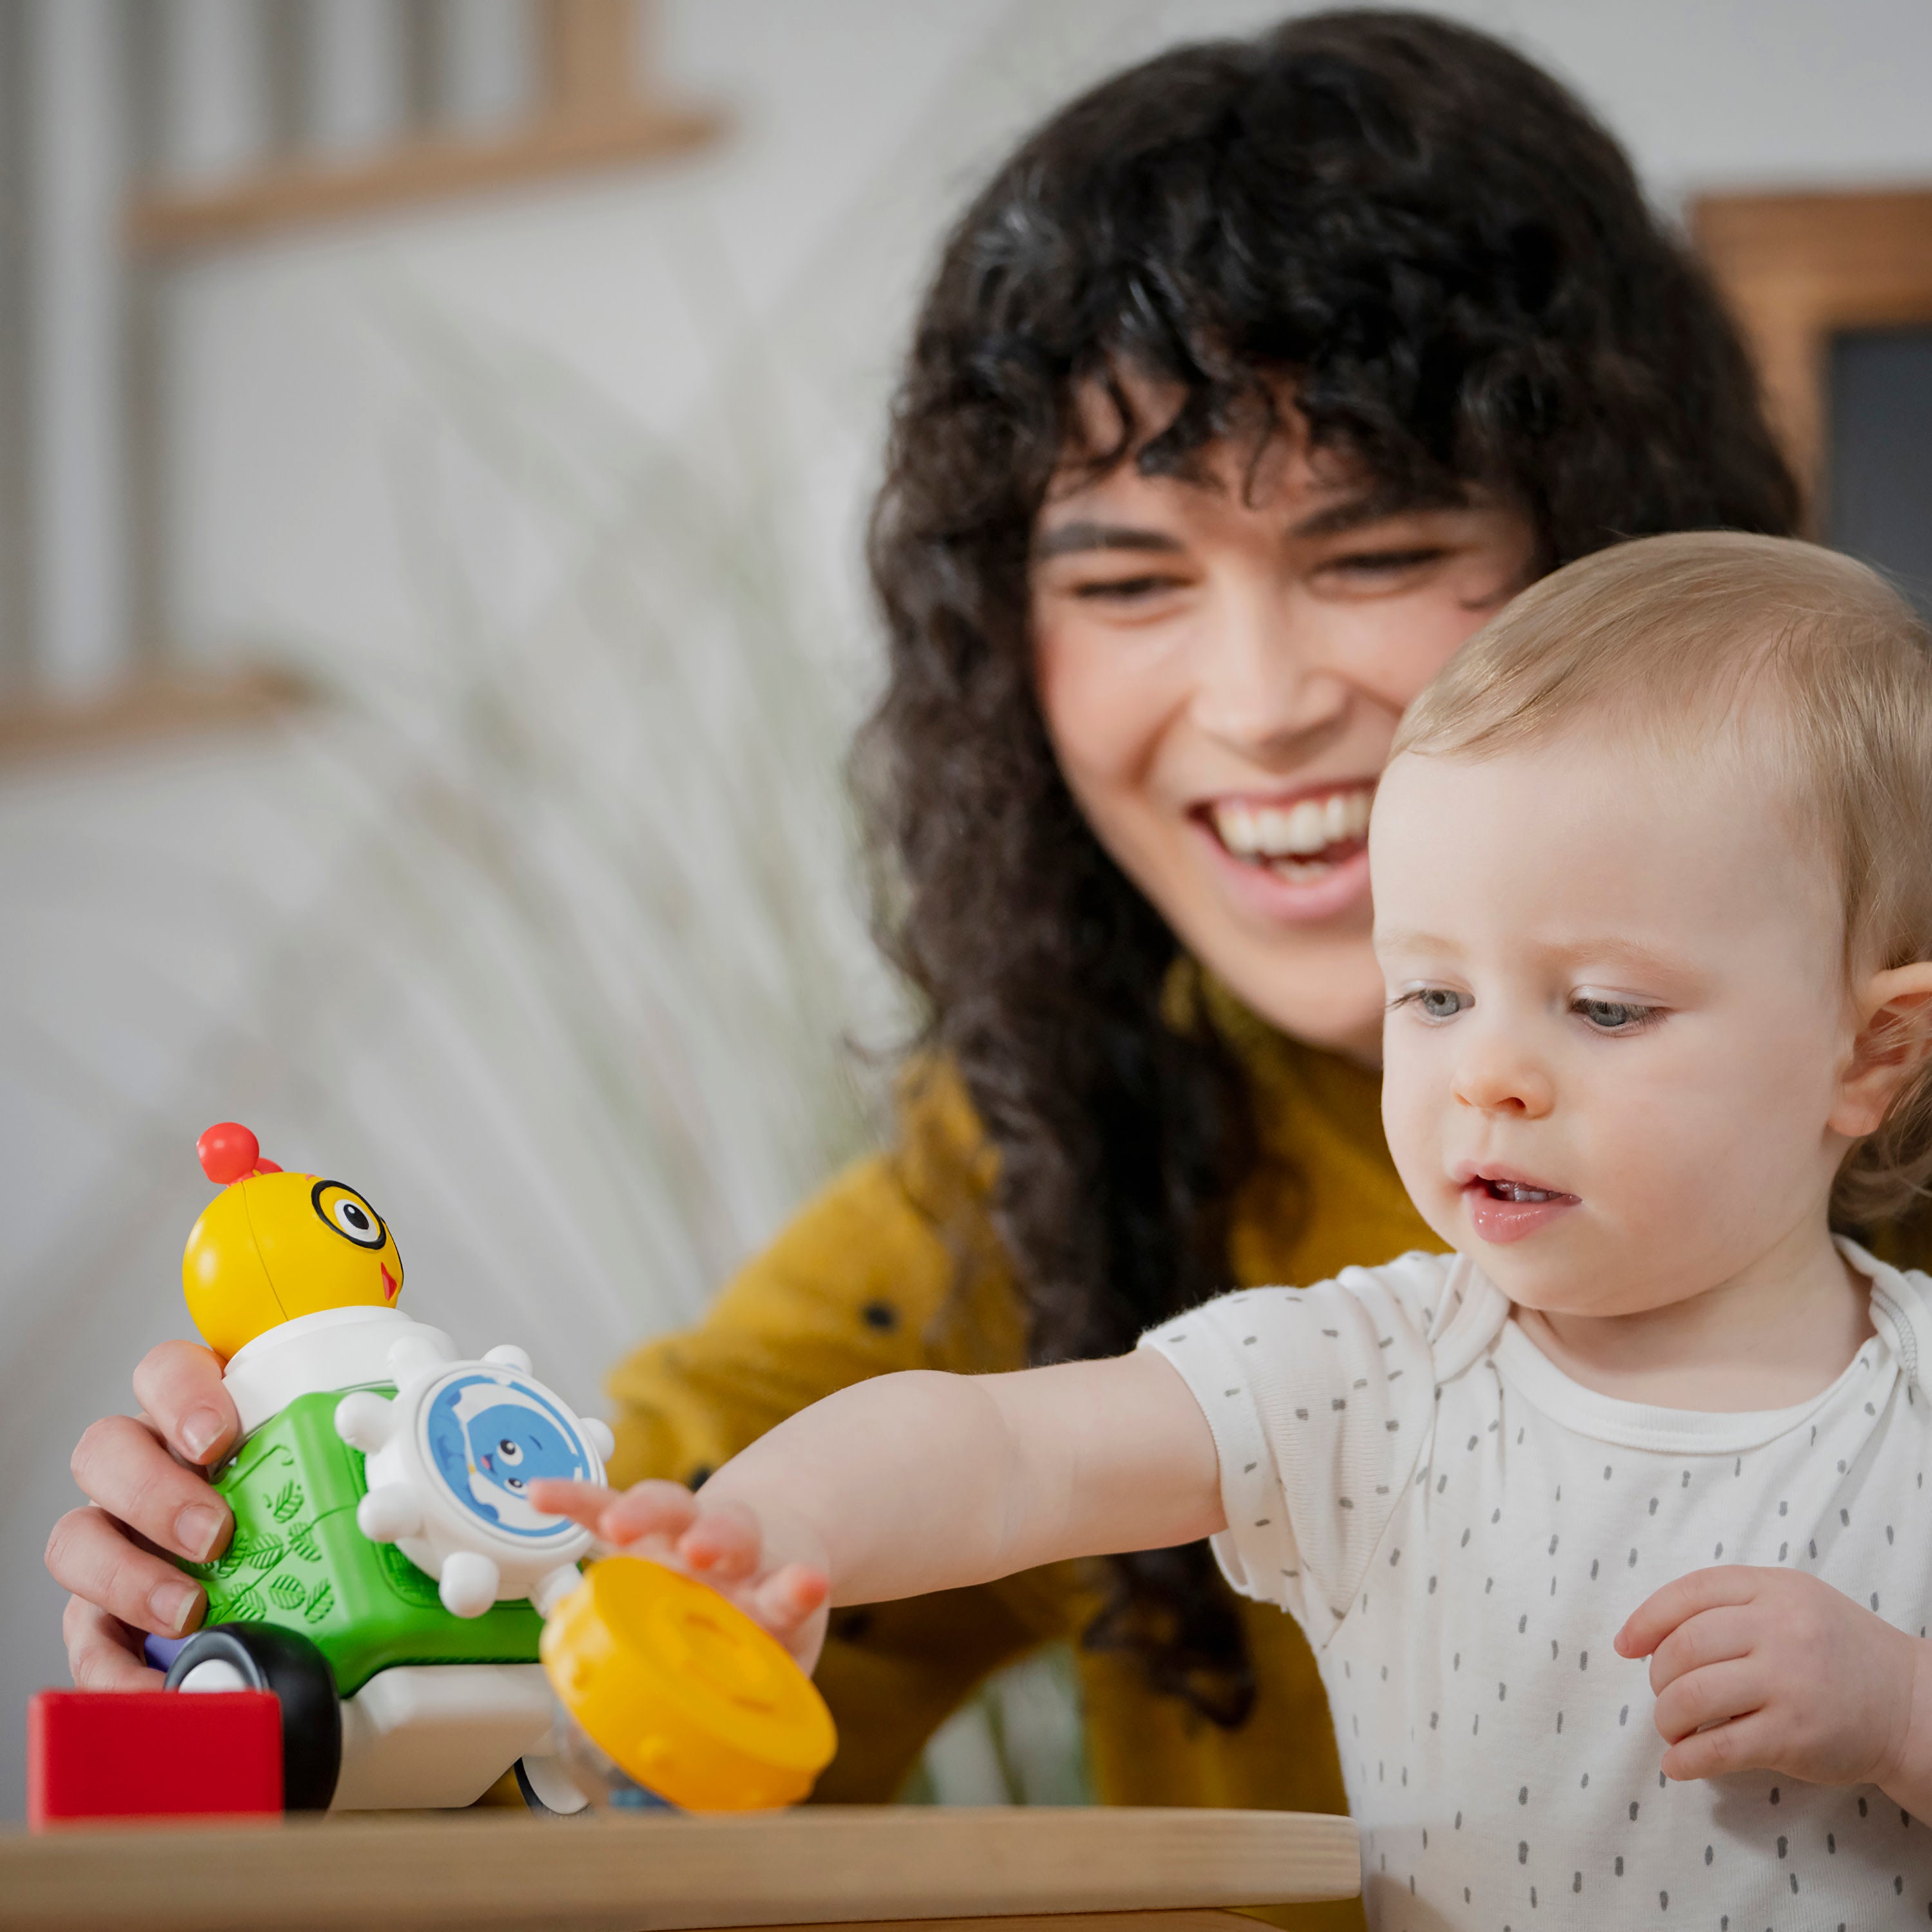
(1222, 667)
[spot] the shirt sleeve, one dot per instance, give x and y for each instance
(1320, 1400)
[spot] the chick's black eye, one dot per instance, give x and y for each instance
(509, 1450)
(513, 1482)
(348, 1214)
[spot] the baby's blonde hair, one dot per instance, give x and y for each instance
(1791, 660)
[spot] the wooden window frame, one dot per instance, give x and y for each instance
(1797, 269)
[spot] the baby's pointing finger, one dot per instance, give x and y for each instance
(1660, 1613)
(648, 1509)
(582, 1502)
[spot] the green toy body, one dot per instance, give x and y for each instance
(298, 1560)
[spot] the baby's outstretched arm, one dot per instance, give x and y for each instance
(1774, 1670)
(918, 1482)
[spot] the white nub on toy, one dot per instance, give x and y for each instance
(451, 1461)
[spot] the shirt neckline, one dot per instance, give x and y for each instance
(1634, 1425)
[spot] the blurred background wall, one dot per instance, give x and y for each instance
(430, 621)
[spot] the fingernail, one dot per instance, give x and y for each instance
(201, 1428)
(197, 1527)
(172, 1604)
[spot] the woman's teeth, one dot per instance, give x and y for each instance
(1285, 838)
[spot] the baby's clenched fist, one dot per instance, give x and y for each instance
(1774, 1670)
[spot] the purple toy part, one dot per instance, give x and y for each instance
(160, 1651)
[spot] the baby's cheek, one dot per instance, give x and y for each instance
(1414, 1096)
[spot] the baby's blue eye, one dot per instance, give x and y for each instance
(1613, 1015)
(1440, 1002)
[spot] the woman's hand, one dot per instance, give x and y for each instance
(143, 1475)
(1774, 1670)
(775, 1572)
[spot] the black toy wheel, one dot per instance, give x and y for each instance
(258, 1657)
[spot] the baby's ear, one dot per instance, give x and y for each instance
(1893, 1044)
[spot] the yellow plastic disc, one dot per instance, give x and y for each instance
(683, 1690)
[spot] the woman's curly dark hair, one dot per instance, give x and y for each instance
(1434, 248)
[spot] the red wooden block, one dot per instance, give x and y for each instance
(151, 1754)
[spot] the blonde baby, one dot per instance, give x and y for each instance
(1608, 1524)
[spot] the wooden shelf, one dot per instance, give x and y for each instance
(169, 222)
(143, 709)
(834, 1865)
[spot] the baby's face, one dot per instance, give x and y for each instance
(1617, 1015)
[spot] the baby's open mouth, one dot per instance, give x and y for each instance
(1301, 841)
(1515, 1190)
(1502, 1208)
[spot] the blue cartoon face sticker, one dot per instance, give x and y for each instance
(513, 1446)
(490, 1434)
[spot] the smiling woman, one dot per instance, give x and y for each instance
(1222, 662)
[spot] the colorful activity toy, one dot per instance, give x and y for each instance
(388, 1579)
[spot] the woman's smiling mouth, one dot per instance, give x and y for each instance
(1300, 839)
(1290, 858)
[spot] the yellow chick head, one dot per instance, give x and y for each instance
(273, 1246)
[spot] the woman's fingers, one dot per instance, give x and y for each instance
(179, 1385)
(1712, 1696)
(102, 1654)
(121, 1465)
(88, 1554)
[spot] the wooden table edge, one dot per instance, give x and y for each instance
(842, 1867)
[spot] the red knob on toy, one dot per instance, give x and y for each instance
(228, 1152)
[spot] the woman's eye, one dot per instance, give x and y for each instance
(1125, 589)
(509, 1451)
(1373, 564)
(1614, 1015)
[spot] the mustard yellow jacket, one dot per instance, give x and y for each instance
(894, 1266)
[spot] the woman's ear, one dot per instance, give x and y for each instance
(1894, 1042)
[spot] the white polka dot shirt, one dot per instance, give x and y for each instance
(1461, 1529)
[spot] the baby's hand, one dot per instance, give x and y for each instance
(1774, 1670)
(783, 1588)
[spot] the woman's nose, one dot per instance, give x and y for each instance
(1495, 1075)
(1263, 688)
